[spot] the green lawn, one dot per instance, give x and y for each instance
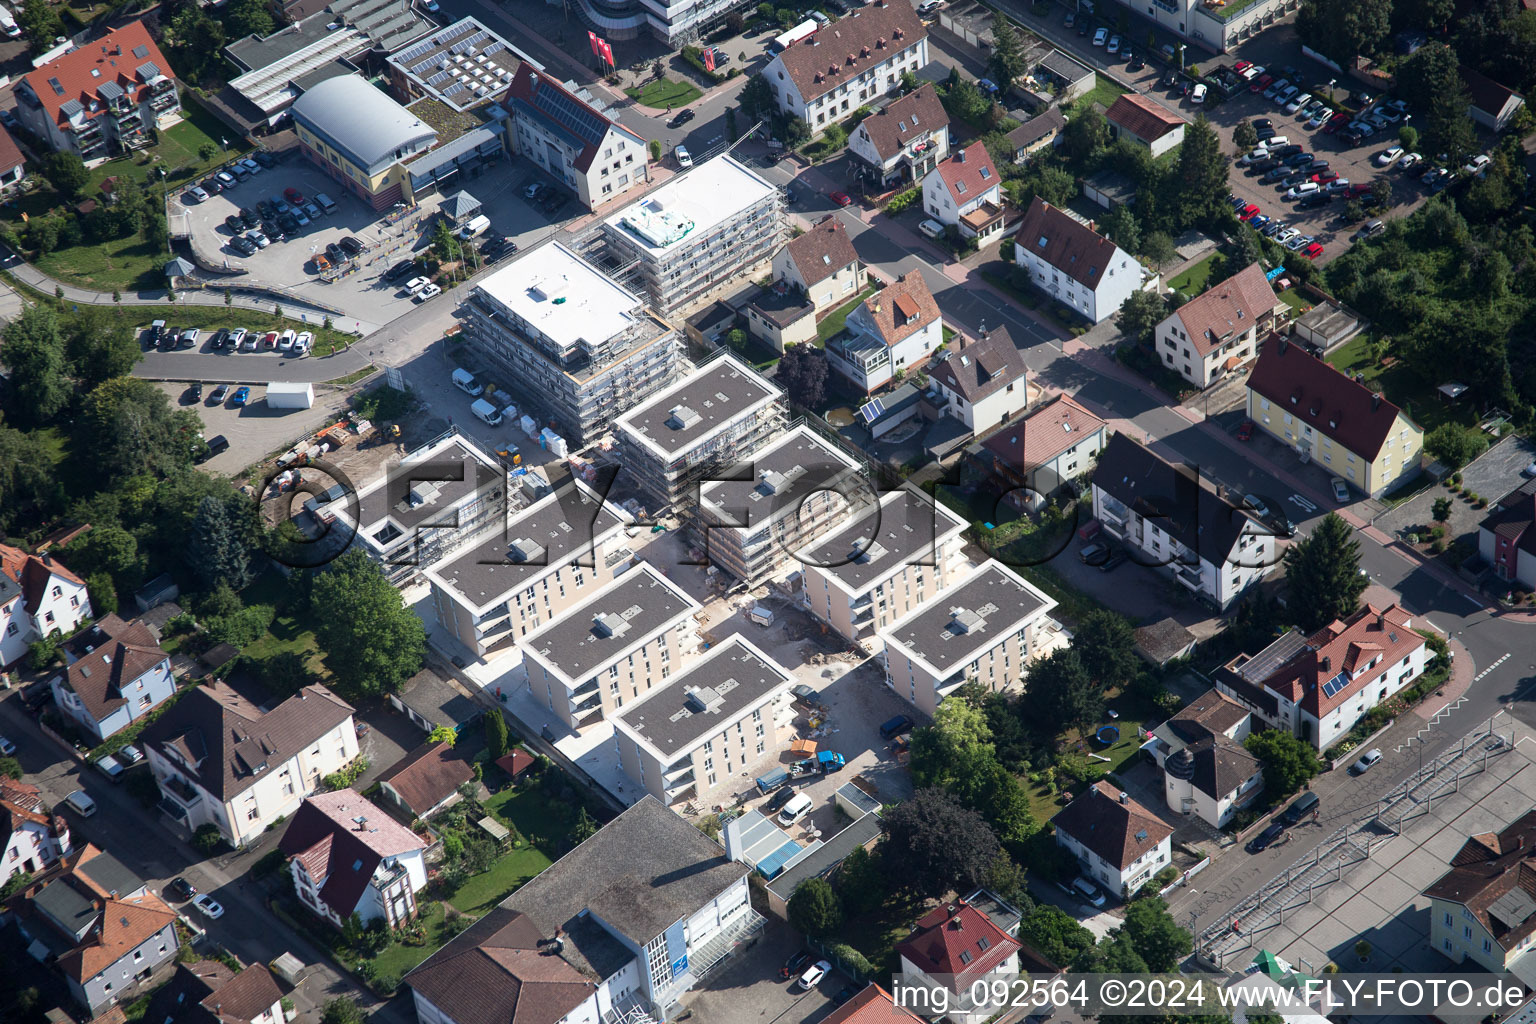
(1192, 281)
(949, 332)
(876, 933)
(1402, 386)
(401, 957)
(1297, 301)
(758, 353)
(665, 93)
(123, 264)
(835, 319)
(533, 813)
(286, 633)
(485, 890)
(1104, 93)
(541, 821)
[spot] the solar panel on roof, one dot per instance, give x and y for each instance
(571, 114)
(1335, 684)
(872, 410)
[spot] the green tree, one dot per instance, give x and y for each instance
(814, 908)
(1156, 935)
(132, 428)
(1158, 248)
(860, 881)
(1454, 444)
(1200, 175)
(1055, 934)
(1288, 762)
(496, 743)
(1381, 192)
(245, 18)
(1121, 225)
(1323, 574)
(584, 828)
(220, 546)
(284, 673)
(1106, 645)
(1062, 692)
(1448, 128)
(194, 40)
(1245, 135)
(1007, 879)
(1432, 68)
(66, 172)
(1408, 138)
(797, 132)
(955, 746)
(802, 373)
(32, 349)
(1342, 31)
(373, 642)
(1008, 60)
(30, 492)
(41, 25)
(992, 791)
(343, 1010)
(106, 548)
(1245, 248)
(933, 845)
(10, 767)
(1140, 314)
(444, 246)
(207, 838)
(1442, 509)
(966, 102)
(103, 593)
(99, 345)
(1115, 954)
(1085, 138)
(443, 734)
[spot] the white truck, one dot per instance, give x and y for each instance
(290, 396)
(485, 411)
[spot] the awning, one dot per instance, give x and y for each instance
(1232, 363)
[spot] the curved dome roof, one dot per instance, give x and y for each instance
(359, 120)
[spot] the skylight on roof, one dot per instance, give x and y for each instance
(58, 87)
(1042, 241)
(960, 187)
(986, 172)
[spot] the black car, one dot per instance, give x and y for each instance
(1116, 558)
(1314, 200)
(1301, 159)
(1261, 842)
(181, 889)
(896, 727)
(351, 246)
(333, 252)
(1265, 134)
(778, 800)
(244, 246)
(212, 186)
(264, 209)
(1269, 163)
(1275, 174)
(1306, 804)
(36, 696)
(193, 394)
(248, 217)
(289, 223)
(400, 271)
(554, 202)
(795, 964)
(681, 118)
(1289, 149)
(1082, 27)
(234, 223)
(170, 340)
(220, 337)
(1262, 123)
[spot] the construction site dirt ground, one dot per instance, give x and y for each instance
(1380, 899)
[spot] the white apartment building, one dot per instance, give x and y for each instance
(438, 498)
(33, 839)
(612, 649)
(801, 488)
(726, 711)
(1206, 769)
(967, 192)
(895, 329)
(115, 674)
(1074, 264)
(963, 947)
(703, 229)
(39, 596)
(848, 64)
(551, 555)
(624, 924)
(219, 759)
(983, 383)
(347, 856)
(903, 140)
(822, 264)
(564, 130)
(574, 346)
(1317, 687)
(1216, 26)
(698, 429)
(1050, 448)
(1119, 843)
(1220, 329)
(885, 562)
(1169, 516)
(981, 627)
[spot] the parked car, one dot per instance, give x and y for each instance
(1313, 251)
(1306, 188)
(1409, 161)
(1261, 842)
(237, 337)
(797, 961)
(1117, 557)
(219, 394)
(7, 747)
(1388, 156)
(1094, 553)
(1088, 891)
(776, 804)
(1340, 490)
(1370, 230)
(1475, 165)
(1113, 46)
(244, 246)
(1197, 94)
(181, 889)
(896, 727)
(351, 246)
(1366, 762)
(813, 974)
(208, 905)
(241, 396)
(196, 193)
(303, 343)
(226, 179)
(682, 117)
(840, 198)
(293, 196)
(401, 270)
(430, 291)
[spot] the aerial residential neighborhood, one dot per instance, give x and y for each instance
(643, 511)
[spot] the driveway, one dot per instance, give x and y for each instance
(390, 737)
(748, 990)
(1492, 475)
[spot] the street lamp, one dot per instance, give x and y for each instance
(1331, 83)
(225, 144)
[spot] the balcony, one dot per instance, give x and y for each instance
(1189, 576)
(178, 789)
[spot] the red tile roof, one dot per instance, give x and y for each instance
(969, 174)
(1327, 400)
(10, 153)
(1065, 243)
(115, 57)
(1118, 832)
(1227, 309)
(427, 776)
(1143, 117)
(1044, 434)
(1487, 95)
(911, 117)
(586, 125)
(340, 853)
(32, 573)
(908, 293)
(1345, 648)
(873, 1005)
(822, 251)
(516, 762)
(843, 51)
(957, 939)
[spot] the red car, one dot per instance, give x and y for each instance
(294, 196)
(1242, 65)
(1324, 177)
(840, 198)
(1245, 431)
(1335, 122)
(1359, 188)
(1248, 212)
(1313, 251)
(1261, 83)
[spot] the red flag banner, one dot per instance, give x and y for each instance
(709, 59)
(592, 37)
(607, 51)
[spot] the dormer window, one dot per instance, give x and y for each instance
(960, 187)
(986, 173)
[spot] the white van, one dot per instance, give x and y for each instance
(325, 202)
(1274, 142)
(932, 228)
(792, 812)
(684, 160)
(474, 227)
(486, 412)
(8, 24)
(465, 382)
(1088, 891)
(81, 803)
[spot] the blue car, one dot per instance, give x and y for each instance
(241, 396)
(1260, 222)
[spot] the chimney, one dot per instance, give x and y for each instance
(1327, 663)
(960, 156)
(956, 924)
(1125, 797)
(1375, 401)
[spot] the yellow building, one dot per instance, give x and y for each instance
(361, 138)
(1479, 909)
(1334, 420)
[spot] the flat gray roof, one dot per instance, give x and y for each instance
(437, 700)
(705, 401)
(960, 621)
(427, 484)
(553, 530)
(903, 530)
(632, 608)
(782, 476)
(730, 680)
(643, 872)
(110, 874)
(821, 860)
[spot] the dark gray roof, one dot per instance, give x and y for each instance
(962, 620)
(1182, 505)
(460, 205)
(1164, 640)
(253, 53)
(902, 531)
(1065, 67)
(1221, 766)
(554, 529)
(1037, 128)
(826, 857)
(703, 401)
(632, 608)
(781, 477)
(640, 874)
(437, 700)
(67, 906)
(110, 874)
(727, 682)
(418, 493)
